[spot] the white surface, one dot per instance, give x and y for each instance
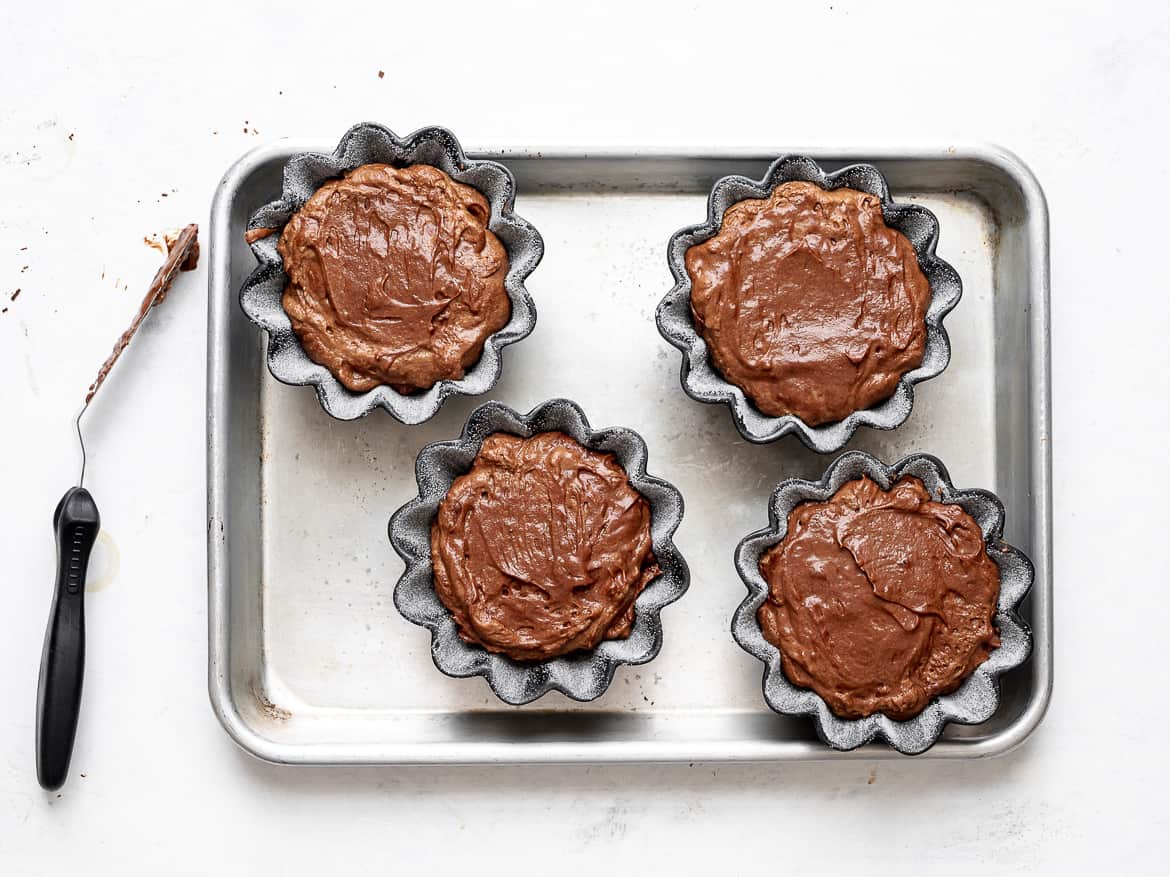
(89, 143)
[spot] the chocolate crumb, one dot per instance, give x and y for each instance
(15, 294)
(4, 311)
(258, 234)
(381, 74)
(164, 194)
(70, 136)
(23, 268)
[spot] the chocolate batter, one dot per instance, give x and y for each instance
(541, 549)
(258, 234)
(880, 600)
(809, 302)
(394, 277)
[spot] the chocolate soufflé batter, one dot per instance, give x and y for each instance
(879, 601)
(809, 302)
(542, 547)
(394, 277)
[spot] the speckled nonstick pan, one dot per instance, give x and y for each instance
(977, 699)
(703, 382)
(304, 173)
(582, 676)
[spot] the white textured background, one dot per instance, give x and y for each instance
(117, 123)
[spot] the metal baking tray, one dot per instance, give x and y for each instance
(309, 662)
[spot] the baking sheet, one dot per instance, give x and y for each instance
(310, 663)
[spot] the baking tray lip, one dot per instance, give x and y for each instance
(220, 300)
(992, 154)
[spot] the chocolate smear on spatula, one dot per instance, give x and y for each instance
(182, 255)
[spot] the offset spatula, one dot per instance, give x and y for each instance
(76, 522)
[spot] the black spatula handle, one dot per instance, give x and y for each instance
(76, 522)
